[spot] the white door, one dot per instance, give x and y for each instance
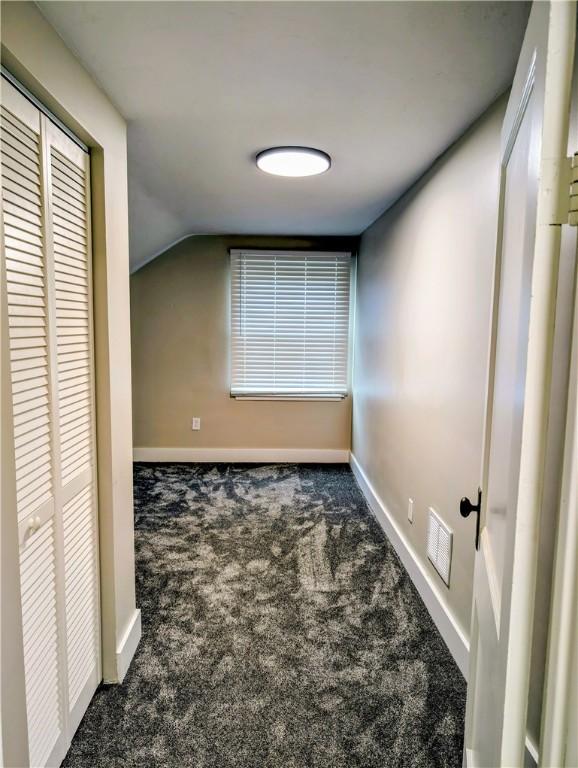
(46, 248)
(518, 387)
(70, 291)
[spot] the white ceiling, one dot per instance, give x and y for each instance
(384, 87)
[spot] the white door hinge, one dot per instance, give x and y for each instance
(560, 191)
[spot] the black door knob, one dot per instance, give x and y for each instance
(466, 507)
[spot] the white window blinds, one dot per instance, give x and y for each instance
(290, 323)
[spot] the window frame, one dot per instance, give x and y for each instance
(297, 397)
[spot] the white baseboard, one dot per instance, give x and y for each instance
(530, 755)
(244, 455)
(127, 646)
(429, 591)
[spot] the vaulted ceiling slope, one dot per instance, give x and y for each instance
(384, 87)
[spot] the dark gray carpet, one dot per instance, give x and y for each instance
(279, 631)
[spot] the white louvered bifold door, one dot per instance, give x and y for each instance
(46, 247)
(24, 241)
(69, 232)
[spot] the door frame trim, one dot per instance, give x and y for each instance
(562, 657)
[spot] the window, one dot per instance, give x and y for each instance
(290, 323)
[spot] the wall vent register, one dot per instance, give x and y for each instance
(290, 323)
(439, 545)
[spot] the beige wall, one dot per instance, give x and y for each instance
(36, 55)
(422, 331)
(180, 353)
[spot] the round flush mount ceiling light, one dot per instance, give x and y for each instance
(293, 161)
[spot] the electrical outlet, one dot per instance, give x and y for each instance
(196, 423)
(410, 510)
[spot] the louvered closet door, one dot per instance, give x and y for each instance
(24, 244)
(69, 232)
(46, 245)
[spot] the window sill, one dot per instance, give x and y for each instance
(293, 398)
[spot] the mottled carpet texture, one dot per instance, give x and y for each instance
(279, 631)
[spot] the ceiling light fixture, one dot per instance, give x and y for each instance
(293, 161)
